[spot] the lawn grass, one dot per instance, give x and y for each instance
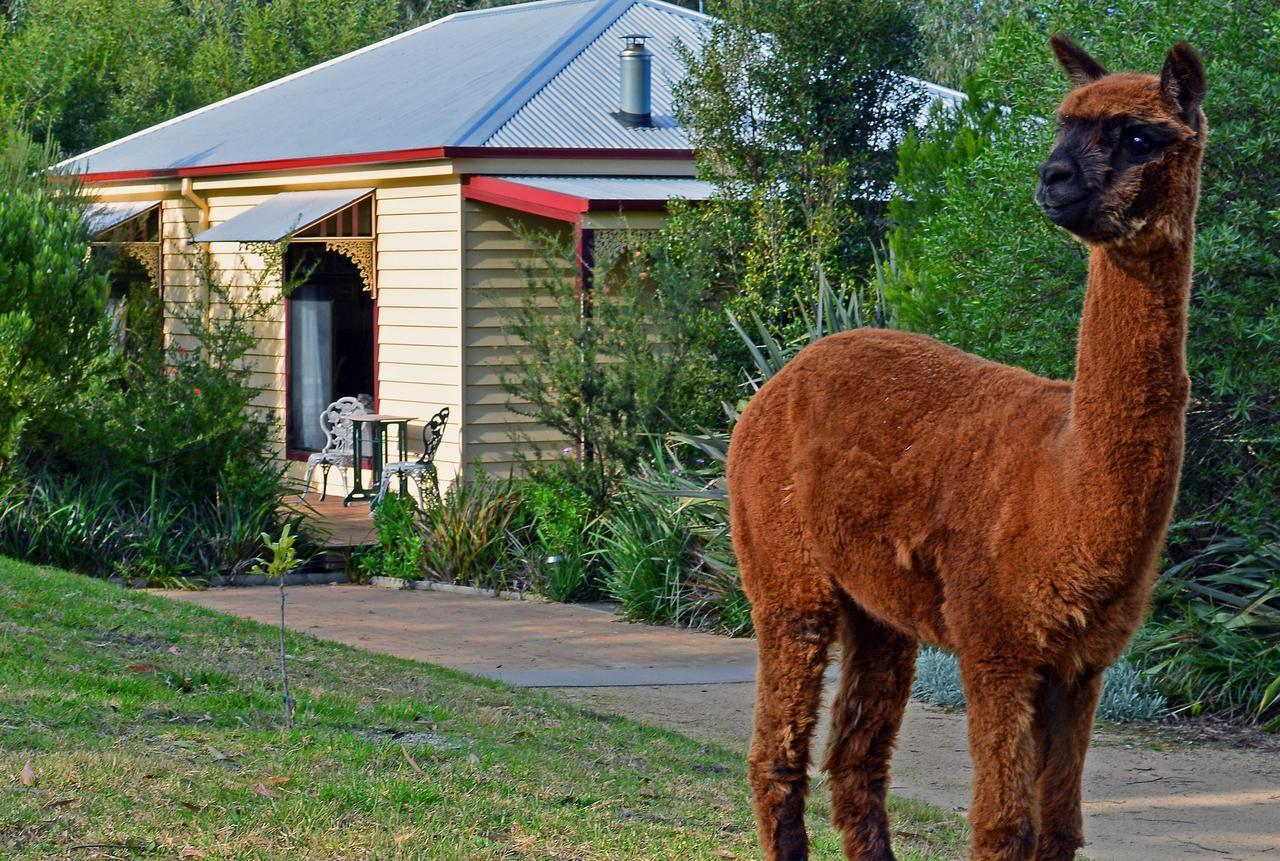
(153, 730)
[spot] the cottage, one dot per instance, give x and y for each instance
(400, 172)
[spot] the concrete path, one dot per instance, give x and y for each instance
(1141, 804)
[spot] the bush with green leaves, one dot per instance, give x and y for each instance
(153, 471)
(1214, 641)
(645, 551)
(52, 324)
(607, 366)
(977, 265)
(793, 107)
(559, 532)
(399, 550)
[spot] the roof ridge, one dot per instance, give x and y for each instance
(660, 6)
(488, 119)
(303, 73)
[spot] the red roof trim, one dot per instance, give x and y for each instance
(524, 198)
(540, 201)
(387, 157)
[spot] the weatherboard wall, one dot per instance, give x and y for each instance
(493, 278)
(419, 362)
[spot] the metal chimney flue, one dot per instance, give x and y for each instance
(636, 63)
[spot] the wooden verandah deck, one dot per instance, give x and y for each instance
(340, 527)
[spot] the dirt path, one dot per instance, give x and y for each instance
(1141, 804)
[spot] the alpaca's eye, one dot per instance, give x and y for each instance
(1138, 143)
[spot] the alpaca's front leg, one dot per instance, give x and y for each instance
(1064, 723)
(1001, 695)
(793, 656)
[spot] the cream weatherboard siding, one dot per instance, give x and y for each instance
(419, 309)
(238, 270)
(492, 277)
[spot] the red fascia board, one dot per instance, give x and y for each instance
(386, 157)
(524, 198)
(551, 204)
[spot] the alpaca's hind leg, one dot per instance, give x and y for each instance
(1064, 722)
(875, 683)
(1001, 695)
(793, 656)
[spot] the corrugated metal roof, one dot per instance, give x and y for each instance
(278, 216)
(619, 188)
(574, 108)
(532, 75)
(101, 217)
(436, 85)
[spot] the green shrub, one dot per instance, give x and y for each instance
(52, 326)
(645, 549)
(399, 552)
(558, 535)
(149, 470)
(1129, 695)
(937, 679)
(1214, 641)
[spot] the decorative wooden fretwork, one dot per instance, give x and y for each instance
(148, 254)
(138, 238)
(611, 244)
(359, 252)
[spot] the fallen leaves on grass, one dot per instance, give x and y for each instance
(263, 789)
(191, 852)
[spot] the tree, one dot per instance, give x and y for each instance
(607, 363)
(794, 107)
(51, 300)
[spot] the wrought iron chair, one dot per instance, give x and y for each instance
(421, 470)
(338, 451)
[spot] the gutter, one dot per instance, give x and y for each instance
(386, 157)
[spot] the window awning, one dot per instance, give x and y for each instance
(282, 215)
(568, 197)
(98, 218)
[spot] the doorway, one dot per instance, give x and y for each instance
(330, 340)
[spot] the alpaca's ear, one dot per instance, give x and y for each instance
(1182, 81)
(1080, 67)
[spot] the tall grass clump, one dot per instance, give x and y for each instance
(467, 537)
(646, 551)
(1214, 642)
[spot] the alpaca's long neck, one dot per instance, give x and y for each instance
(1131, 389)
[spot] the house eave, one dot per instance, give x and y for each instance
(388, 157)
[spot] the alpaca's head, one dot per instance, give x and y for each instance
(1126, 163)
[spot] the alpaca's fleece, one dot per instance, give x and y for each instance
(887, 489)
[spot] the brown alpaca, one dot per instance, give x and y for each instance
(888, 489)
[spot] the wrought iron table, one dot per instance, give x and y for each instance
(377, 425)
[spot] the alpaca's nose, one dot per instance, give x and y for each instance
(1057, 170)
